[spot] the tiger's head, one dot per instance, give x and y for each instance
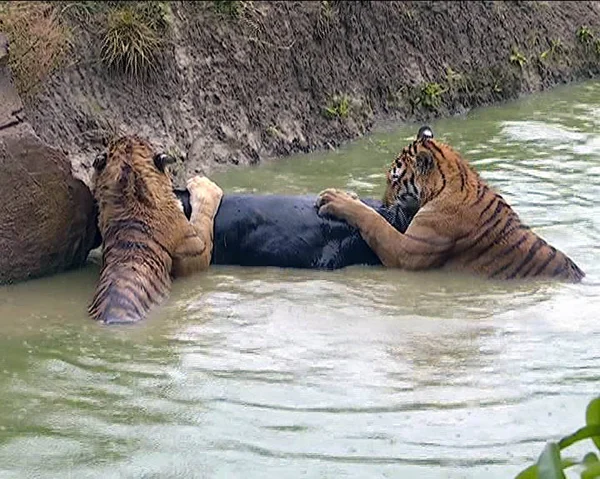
(423, 170)
(131, 175)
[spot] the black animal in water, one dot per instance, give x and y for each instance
(286, 231)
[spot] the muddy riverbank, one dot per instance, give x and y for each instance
(237, 82)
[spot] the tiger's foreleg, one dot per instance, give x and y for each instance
(194, 252)
(421, 247)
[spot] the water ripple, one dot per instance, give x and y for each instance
(365, 372)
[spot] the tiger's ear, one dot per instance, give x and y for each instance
(424, 162)
(161, 160)
(425, 133)
(100, 161)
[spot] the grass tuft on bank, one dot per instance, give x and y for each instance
(39, 42)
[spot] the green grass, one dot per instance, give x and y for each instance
(134, 37)
(324, 19)
(517, 58)
(584, 35)
(431, 95)
(555, 49)
(338, 107)
(39, 42)
(232, 8)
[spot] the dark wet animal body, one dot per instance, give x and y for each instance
(286, 231)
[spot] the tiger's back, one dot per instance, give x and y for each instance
(501, 246)
(147, 239)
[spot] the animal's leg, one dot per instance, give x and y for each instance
(194, 253)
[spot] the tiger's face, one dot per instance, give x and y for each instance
(131, 167)
(408, 173)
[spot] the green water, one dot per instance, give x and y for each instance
(364, 372)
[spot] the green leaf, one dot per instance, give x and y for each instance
(587, 432)
(549, 463)
(592, 471)
(532, 471)
(590, 458)
(592, 417)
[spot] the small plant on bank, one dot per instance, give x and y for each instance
(326, 10)
(324, 19)
(232, 8)
(453, 77)
(274, 132)
(584, 35)
(338, 107)
(457, 81)
(517, 58)
(431, 95)
(134, 37)
(551, 464)
(39, 42)
(555, 49)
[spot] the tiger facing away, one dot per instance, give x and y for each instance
(462, 223)
(147, 239)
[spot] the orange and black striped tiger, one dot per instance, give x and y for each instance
(462, 223)
(147, 239)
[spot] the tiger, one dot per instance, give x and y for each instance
(462, 224)
(146, 238)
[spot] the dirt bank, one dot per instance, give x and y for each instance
(241, 81)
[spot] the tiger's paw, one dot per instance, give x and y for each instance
(205, 195)
(338, 203)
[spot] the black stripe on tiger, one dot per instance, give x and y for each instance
(538, 243)
(506, 251)
(463, 176)
(548, 260)
(443, 176)
(505, 231)
(432, 146)
(535, 264)
(482, 189)
(128, 225)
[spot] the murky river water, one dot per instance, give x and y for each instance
(363, 372)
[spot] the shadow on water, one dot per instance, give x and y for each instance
(364, 372)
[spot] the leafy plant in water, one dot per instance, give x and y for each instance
(584, 35)
(517, 58)
(338, 107)
(134, 36)
(551, 464)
